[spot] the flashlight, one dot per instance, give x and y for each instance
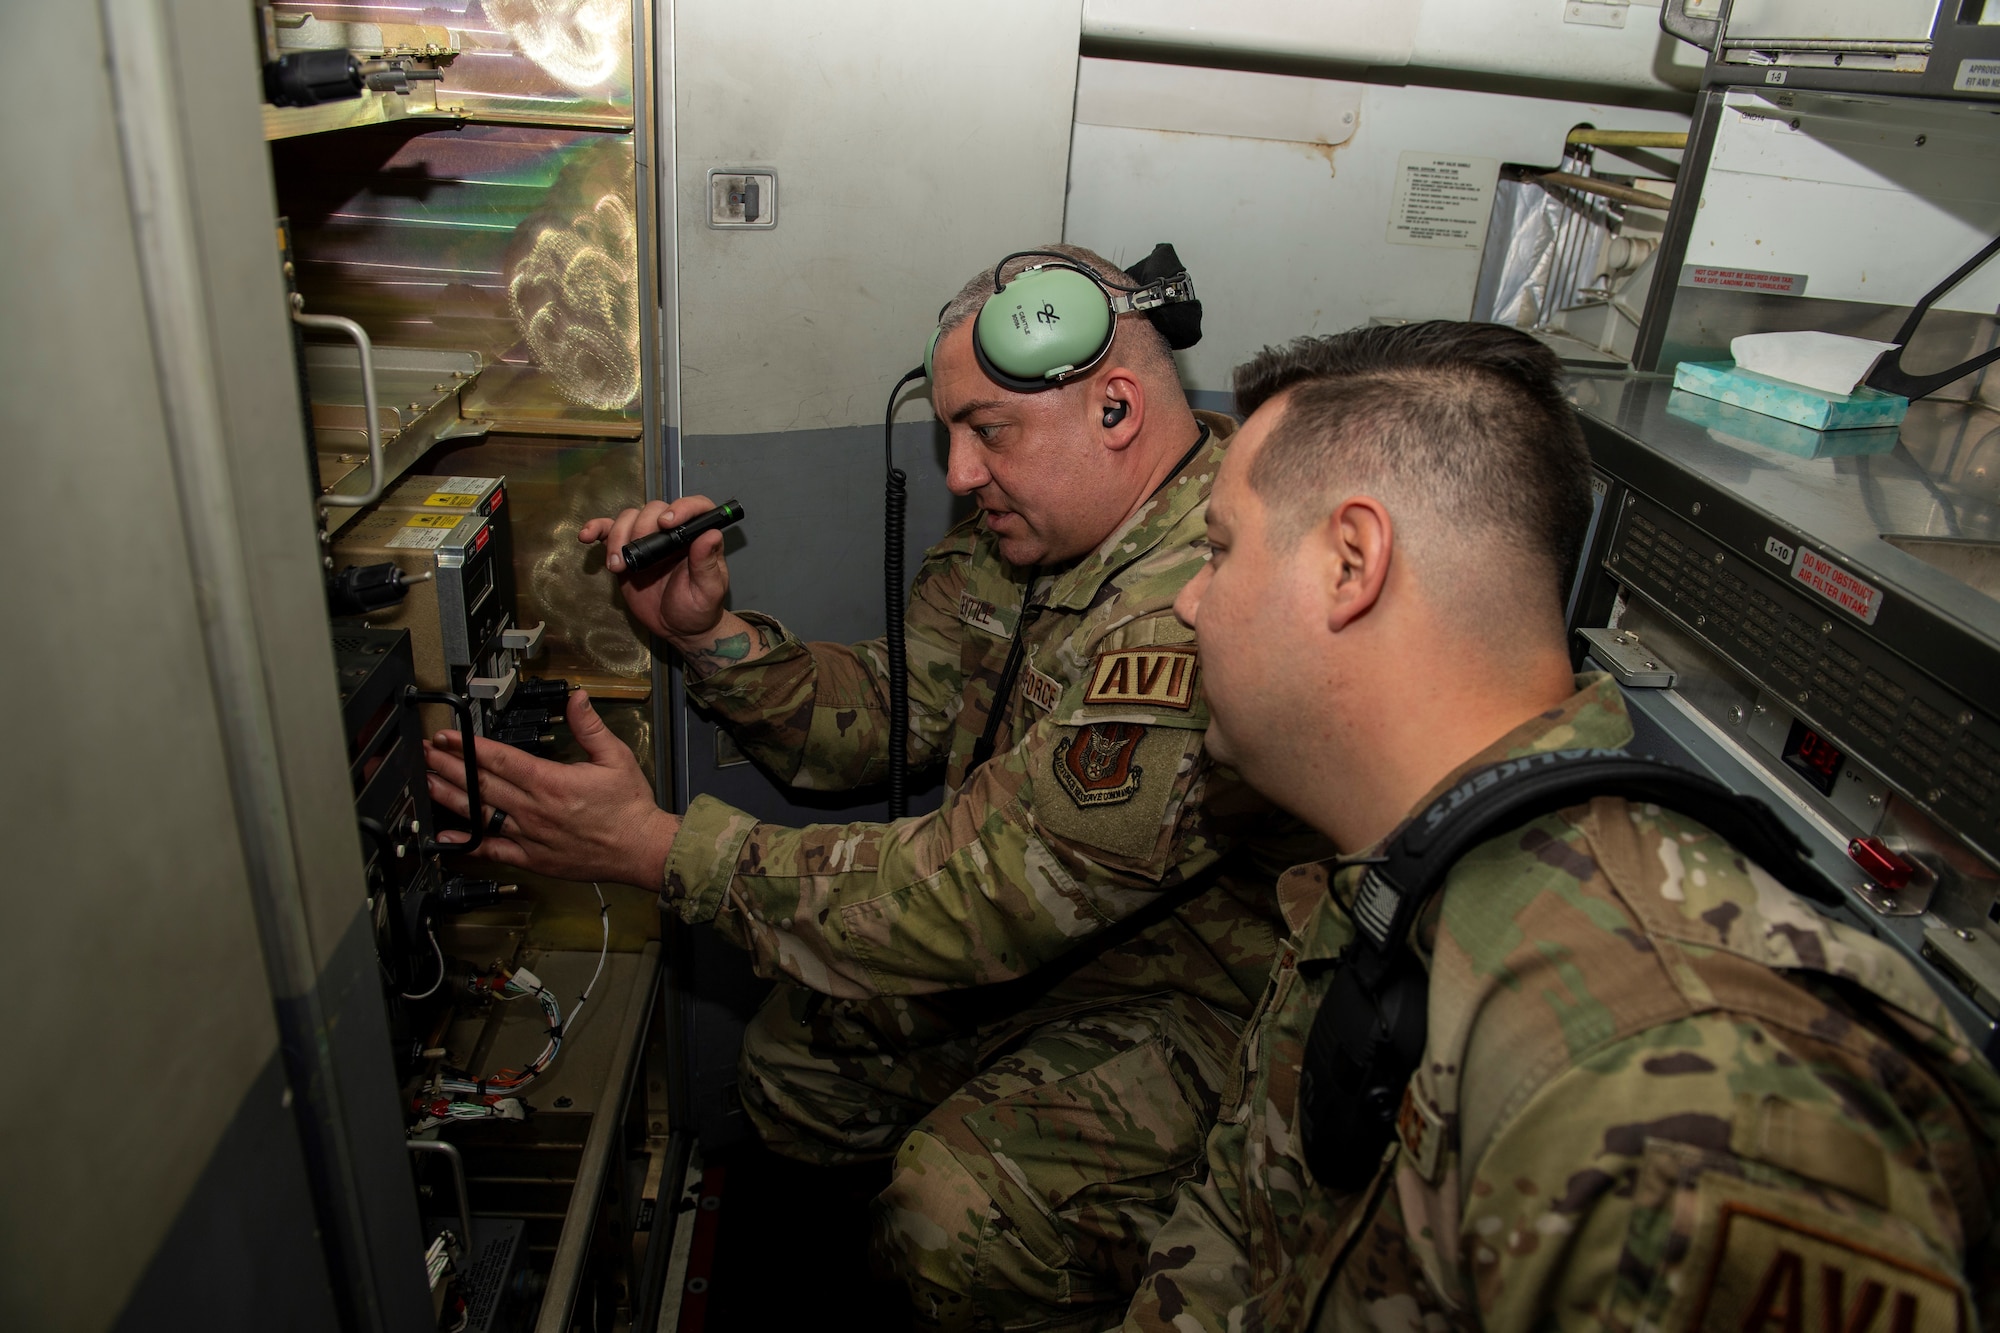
(652, 549)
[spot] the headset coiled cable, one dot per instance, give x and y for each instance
(895, 507)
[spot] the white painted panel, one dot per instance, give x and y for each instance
(1141, 96)
(1364, 32)
(1283, 238)
(1852, 200)
(1522, 38)
(912, 142)
(1529, 39)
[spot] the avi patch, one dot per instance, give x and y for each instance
(1096, 767)
(1768, 1270)
(1151, 677)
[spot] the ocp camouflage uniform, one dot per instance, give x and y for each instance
(1659, 1092)
(1054, 1114)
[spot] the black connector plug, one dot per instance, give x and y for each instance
(360, 589)
(461, 894)
(308, 78)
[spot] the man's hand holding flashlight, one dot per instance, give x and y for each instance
(681, 598)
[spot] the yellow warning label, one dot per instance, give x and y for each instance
(450, 500)
(432, 521)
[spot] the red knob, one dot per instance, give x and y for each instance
(1883, 866)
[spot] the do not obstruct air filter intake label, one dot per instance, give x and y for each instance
(1857, 597)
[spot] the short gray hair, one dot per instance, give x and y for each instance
(1136, 337)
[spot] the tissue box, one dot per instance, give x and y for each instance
(1725, 382)
(1740, 426)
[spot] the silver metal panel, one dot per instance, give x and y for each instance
(1832, 20)
(1666, 728)
(579, 1224)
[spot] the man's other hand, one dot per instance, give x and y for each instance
(593, 820)
(679, 599)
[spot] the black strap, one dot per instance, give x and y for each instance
(1371, 1028)
(1003, 694)
(1507, 795)
(1889, 375)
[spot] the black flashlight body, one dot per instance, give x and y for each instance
(655, 547)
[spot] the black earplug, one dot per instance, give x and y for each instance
(1115, 413)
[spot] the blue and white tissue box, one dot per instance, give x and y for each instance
(1727, 382)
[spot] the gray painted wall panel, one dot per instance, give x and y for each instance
(809, 551)
(147, 1019)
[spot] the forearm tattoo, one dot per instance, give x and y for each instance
(725, 651)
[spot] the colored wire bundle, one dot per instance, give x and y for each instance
(454, 1095)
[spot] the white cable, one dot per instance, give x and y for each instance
(439, 950)
(603, 949)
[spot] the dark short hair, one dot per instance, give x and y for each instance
(1470, 417)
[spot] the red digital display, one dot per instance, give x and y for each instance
(1813, 757)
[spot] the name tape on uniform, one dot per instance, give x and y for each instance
(1155, 677)
(980, 614)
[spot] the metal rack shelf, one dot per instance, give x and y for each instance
(382, 108)
(417, 392)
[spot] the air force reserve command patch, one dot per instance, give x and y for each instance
(1151, 677)
(1096, 767)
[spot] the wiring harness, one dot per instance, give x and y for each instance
(454, 1095)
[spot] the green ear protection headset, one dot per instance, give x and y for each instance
(1052, 322)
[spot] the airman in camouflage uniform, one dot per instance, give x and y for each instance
(1052, 1116)
(1029, 995)
(1658, 1091)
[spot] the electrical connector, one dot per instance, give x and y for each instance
(360, 589)
(527, 980)
(462, 893)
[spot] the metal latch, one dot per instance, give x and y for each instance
(1630, 662)
(499, 689)
(526, 642)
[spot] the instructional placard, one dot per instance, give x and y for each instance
(1977, 76)
(1442, 200)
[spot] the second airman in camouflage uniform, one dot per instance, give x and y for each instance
(1660, 1092)
(1657, 1090)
